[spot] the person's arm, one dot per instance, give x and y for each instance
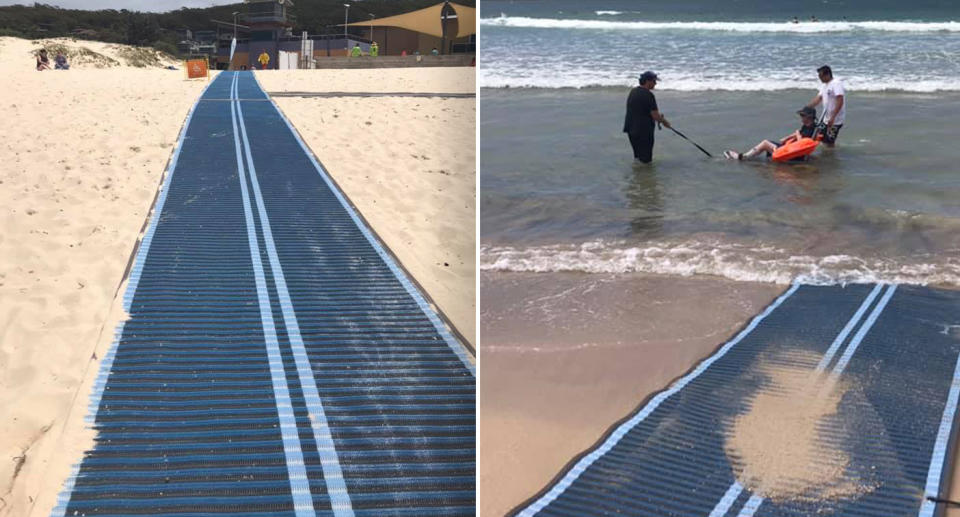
(656, 115)
(791, 137)
(816, 100)
(835, 111)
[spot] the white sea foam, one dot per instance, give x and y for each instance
(608, 13)
(736, 262)
(786, 26)
(511, 77)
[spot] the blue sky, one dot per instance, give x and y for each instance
(131, 5)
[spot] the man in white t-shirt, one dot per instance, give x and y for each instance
(832, 95)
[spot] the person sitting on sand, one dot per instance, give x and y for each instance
(808, 117)
(43, 62)
(356, 52)
(434, 52)
(61, 62)
(374, 49)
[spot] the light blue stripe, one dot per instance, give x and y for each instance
(848, 328)
(939, 458)
(63, 498)
(855, 342)
(625, 428)
(452, 342)
(329, 461)
(137, 268)
(103, 373)
(727, 500)
(299, 484)
(100, 383)
(753, 504)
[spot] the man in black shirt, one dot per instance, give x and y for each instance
(641, 114)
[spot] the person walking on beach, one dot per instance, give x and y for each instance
(642, 112)
(264, 60)
(832, 95)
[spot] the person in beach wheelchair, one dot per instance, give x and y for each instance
(808, 128)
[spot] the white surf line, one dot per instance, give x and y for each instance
(411, 289)
(655, 402)
(755, 501)
(103, 373)
(329, 461)
(939, 459)
(296, 470)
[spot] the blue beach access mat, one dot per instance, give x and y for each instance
(883, 363)
(276, 361)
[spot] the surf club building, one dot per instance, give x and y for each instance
(268, 27)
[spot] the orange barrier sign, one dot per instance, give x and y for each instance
(196, 68)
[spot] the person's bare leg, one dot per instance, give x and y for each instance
(764, 146)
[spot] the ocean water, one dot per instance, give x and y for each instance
(733, 45)
(559, 191)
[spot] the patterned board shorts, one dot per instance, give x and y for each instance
(830, 136)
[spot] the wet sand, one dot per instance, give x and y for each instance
(565, 355)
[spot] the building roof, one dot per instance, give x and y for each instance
(428, 20)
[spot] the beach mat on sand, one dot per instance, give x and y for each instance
(276, 361)
(874, 439)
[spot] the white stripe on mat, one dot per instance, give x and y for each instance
(296, 470)
(939, 458)
(329, 460)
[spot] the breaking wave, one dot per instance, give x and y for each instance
(736, 262)
(800, 28)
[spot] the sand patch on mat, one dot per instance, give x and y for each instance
(777, 447)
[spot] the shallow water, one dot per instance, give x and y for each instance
(559, 191)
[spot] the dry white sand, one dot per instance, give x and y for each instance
(408, 164)
(83, 155)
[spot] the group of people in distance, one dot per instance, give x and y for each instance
(643, 114)
(43, 61)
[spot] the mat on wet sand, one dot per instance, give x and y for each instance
(833, 401)
(277, 361)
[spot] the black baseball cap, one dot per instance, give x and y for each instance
(647, 76)
(807, 111)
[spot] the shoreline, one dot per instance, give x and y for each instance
(565, 355)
